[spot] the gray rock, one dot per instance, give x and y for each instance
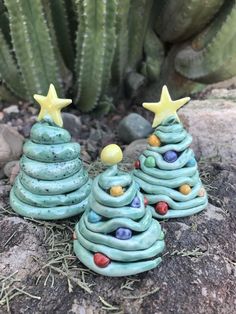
(11, 143)
(20, 243)
(197, 274)
(212, 125)
(135, 149)
(134, 83)
(133, 127)
(11, 170)
(223, 93)
(11, 109)
(72, 123)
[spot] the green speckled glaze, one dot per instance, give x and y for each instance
(128, 257)
(162, 182)
(52, 183)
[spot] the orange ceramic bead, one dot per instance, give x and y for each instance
(185, 189)
(116, 190)
(153, 140)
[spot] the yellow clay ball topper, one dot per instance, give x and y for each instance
(51, 105)
(111, 155)
(165, 107)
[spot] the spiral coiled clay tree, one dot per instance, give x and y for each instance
(97, 51)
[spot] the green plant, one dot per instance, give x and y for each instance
(97, 51)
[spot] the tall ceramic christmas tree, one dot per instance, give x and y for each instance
(117, 236)
(52, 183)
(167, 171)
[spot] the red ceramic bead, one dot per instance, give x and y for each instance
(145, 200)
(101, 260)
(137, 164)
(161, 208)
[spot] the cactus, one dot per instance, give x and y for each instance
(210, 57)
(140, 11)
(122, 33)
(154, 56)
(179, 20)
(95, 46)
(8, 69)
(32, 45)
(62, 30)
(101, 50)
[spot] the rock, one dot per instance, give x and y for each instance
(133, 127)
(197, 274)
(223, 93)
(20, 243)
(11, 170)
(134, 83)
(11, 143)
(72, 123)
(1, 115)
(134, 149)
(11, 109)
(212, 125)
(2, 174)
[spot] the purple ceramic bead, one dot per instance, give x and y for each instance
(123, 233)
(136, 202)
(170, 156)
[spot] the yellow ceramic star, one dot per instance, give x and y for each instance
(165, 107)
(51, 105)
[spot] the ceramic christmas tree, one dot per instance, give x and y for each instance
(116, 235)
(52, 183)
(167, 171)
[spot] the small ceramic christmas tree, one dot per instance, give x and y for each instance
(52, 183)
(117, 236)
(167, 170)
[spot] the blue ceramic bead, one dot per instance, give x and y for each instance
(94, 217)
(192, 162)
(136, 202)
(123, 233)
(170, 156)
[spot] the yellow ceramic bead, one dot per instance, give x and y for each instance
(201, 192)
(111, 154)
(153, 140)
(116, 190)
(185, 189)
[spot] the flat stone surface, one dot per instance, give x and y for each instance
(212, 126)
(11, 143)
(197, 274)
(133, 127)
(223, 94)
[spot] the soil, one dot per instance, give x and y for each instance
(40, 274)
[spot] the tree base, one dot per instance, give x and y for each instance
(46, 213)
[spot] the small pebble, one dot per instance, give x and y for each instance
(11, 109)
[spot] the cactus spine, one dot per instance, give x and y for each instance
(61, 26)
(122, 40)
(8, 69)
(94, 59)
(113, 48)
(32, 45)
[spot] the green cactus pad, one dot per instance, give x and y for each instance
(210, 56)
